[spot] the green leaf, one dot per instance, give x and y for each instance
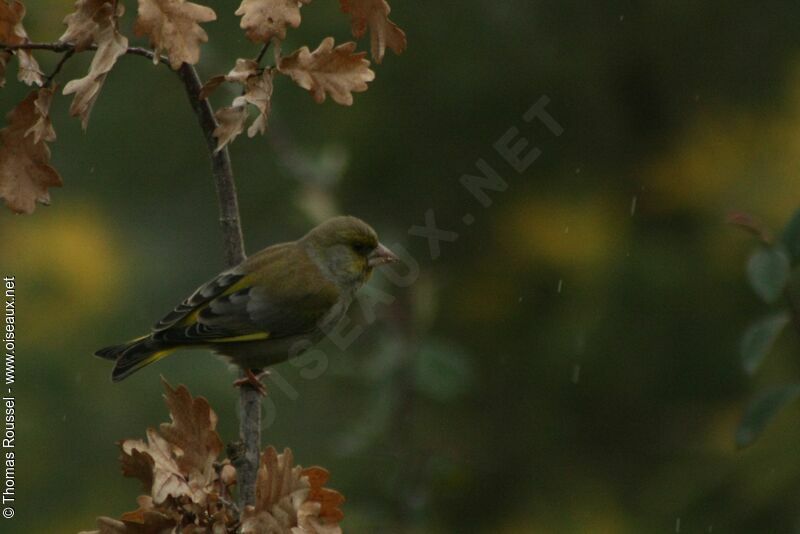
(442, 371)
(791, 236)
(762, 410)
(759, 338)
(768, 272)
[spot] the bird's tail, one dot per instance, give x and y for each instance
(133, 355)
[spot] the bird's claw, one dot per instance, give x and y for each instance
(252, 380)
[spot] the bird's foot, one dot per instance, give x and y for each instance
(253, 380)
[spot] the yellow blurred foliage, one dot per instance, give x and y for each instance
(591, 507)
(68, 269)
(733, 159)
(564, 232)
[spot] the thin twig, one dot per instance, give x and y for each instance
(249, 397)
(57, 46)
(262, 52)
(60, 64)
(60, 47)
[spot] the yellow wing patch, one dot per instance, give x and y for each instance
(256, 336)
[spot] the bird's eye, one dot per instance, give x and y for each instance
(361, 248)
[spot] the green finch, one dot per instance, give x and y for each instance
(276, 303)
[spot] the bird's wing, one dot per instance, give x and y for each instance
(227, 281)
(283, 294)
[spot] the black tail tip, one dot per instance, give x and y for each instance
(108, 353)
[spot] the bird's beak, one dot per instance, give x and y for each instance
(381, 255)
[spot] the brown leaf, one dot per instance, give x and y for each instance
(374, 14)
(173, 27)
(257, 92)
(192, 430)
(243, 69)
(227, 475)
(110, 46)
(329, 499)
(190, 491)
(25, 171)
(29, 72)
(263, 20)
(137, 464)
(291, 500)
(84, 23)
(147, 518)
(12, 32)
(336, 71)
(43, 127)
(231, 123)
(210, 86)
(182, 455)
(167, 477)
(141, 521)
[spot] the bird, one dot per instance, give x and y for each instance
(278, 302)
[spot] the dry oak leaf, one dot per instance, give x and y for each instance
(147, 519)
(25, 171)
(43, 127)
(110, 46)
(336, 71)
(243, 69)
(179, 460)
(85, 22)
(257, 92)
(173, 26)
(13, 33)
(231, 123)
(291, 500)
(263, 20)
(374, 14)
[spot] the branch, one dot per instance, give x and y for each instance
(221, 167)
(250, 399)
(60, 64)
(60, 47)
(262, 52)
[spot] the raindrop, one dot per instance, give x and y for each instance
(566, 229)
(560, 285)
(633, 205)
(678, 524)
(580, 342)
(576, 373)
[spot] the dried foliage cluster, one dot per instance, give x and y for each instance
(187, 489)
(174, 31)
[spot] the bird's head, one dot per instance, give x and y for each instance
(348, 249)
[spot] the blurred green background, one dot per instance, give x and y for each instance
(569, 364)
